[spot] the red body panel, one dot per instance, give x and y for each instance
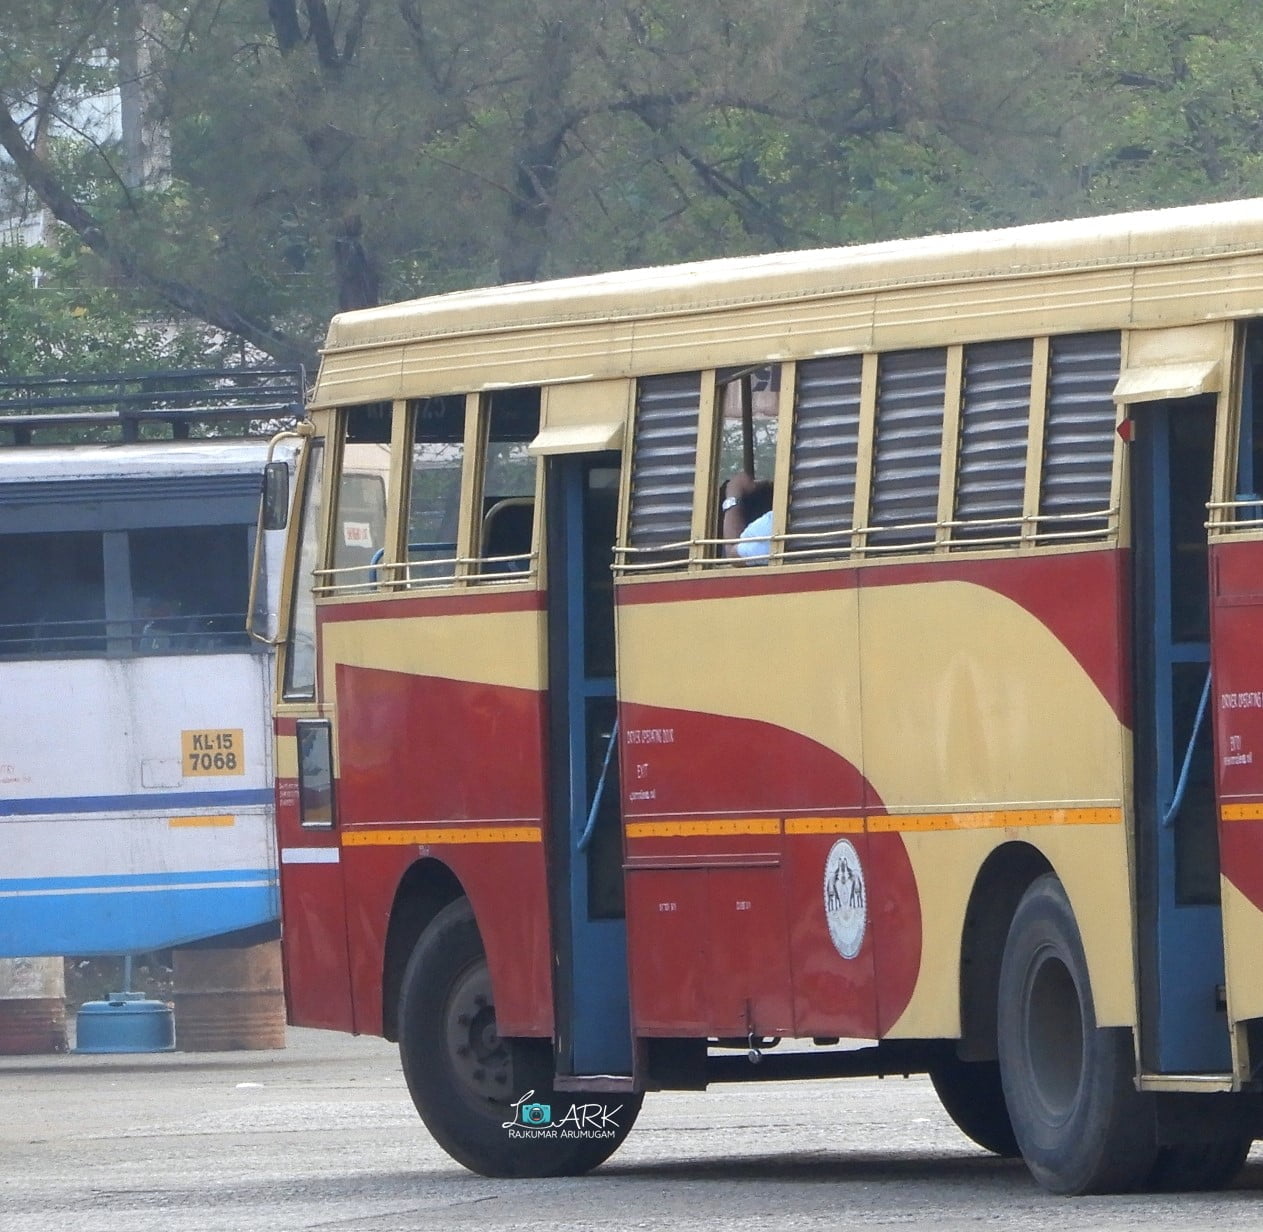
(727, 933)
(1236, 617)
(431, 753)
(313, 915)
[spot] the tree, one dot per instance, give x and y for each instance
(58, 324)
(329, 157)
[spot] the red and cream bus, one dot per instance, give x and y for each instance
(960, 772)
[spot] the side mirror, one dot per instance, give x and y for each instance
(275, 496)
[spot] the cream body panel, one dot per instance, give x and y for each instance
(493, 648)
(790, 661)
(945, 865)
(1243, 944)
(1037, 734)
(970, 700)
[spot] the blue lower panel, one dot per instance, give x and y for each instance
(130, 918)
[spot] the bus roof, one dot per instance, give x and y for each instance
(631, 322)
(141, 460)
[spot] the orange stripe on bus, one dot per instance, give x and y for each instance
(995, 820)
(690, 829)
(724, 827)
(218, 820)
(1241, 812)
(422, 837)
(824, 825)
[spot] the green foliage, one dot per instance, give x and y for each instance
(327, 157)
(56, 321)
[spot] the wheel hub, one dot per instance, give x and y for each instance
(479, 1057)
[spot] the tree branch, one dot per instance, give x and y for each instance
(183, 296)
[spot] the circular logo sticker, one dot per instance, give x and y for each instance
(845, 901)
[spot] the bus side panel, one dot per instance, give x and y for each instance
(468, 790)
(992, 694)
(740, 742)
(1237, 625)
(120, 832)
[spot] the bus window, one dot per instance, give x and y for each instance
(359, 524)
(1249, 486)
(1079, 437)
(52, 594)
(508, 485)
(824, 455)
(437, 455)
(908, 447)
(991, 464)
(747, 401)
(315, 774)
(300, 661)
(748, 422)
(664, 463)
(189, 587)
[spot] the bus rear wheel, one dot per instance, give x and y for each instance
(488, 1101)
(1081, 1125)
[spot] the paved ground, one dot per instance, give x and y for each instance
(322, 1136)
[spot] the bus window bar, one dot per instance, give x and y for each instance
(798, 546)
(151, 405)
(1235, 515)
(391, 575)
(197, 633)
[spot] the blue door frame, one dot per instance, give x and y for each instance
(593, 1033)
(1184, 1023)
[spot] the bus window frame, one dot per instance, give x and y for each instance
(334, 581)
(287, 617)
(709, 545)
(476, 563)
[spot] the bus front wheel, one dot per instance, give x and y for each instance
(1080, 1123)
(489, 1102)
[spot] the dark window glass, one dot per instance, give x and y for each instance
(189, 588)
(437, 456)
(52, 594)
(508, 486)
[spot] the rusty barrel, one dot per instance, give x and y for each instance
(32, 1006)
(228, 999)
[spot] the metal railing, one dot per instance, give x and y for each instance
(167, 405)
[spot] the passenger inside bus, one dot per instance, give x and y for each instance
(746, 521)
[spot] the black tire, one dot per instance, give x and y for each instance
(1198, 1165)
(973, 1096)
(1081, 1125)
(466, 1081)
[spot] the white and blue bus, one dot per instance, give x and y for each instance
(135, 766)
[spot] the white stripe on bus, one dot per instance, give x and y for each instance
(310, 855)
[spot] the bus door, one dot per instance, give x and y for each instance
(586, 851)
(1183, 1019)
(313, 898)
